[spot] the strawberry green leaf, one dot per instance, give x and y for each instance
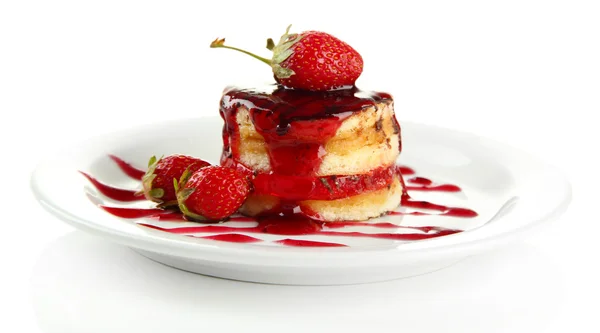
(151, 161)
(187, 213)
(175, 185)
(185, 176)
(185, 193)
(282, 73)
(157, 193)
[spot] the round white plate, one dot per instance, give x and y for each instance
(509, 189)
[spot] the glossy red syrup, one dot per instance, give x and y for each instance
(295, 124)
(425, 184)
(298, 225)
(233, 238)
(296, 188)
(406, 171)
(444, 210)
(307, 243)
(169, 216)
(436, 188)
(289, 225)
(114, 193)
(201, 228)
(161, 215)
(393, 236)
(242, 219)
(133, 213)
(344, 224)
(294, 224)
(127, 168)
(420, 181)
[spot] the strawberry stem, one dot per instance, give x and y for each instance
(220, 42)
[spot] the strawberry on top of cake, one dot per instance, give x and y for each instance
(313, 143)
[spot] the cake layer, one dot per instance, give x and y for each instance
(354, 208)
(317, 188)
(309, 134)
(366, 140)
(328, 155)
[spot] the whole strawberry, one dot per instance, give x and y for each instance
(311, 60)
(213, 193)
(157, 183)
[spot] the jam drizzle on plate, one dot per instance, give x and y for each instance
(127, 168)
(291, 225)
(114, 193)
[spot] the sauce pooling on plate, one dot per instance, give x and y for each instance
(237, 227)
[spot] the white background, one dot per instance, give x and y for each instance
(524, 72)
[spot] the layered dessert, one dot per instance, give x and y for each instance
(313, 143)
(301, 155)
(330, 155)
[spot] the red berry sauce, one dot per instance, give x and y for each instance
(299, 225)
(307, 243)
(233, 238)
(295, 124)
(426, 184)
(292, 224)
(127, 168)
(295, 188)
(113, 192)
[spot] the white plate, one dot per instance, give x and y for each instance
(509, 189)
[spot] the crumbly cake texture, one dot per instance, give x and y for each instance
(354, 208)
(368, 138)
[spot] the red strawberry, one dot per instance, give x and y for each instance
(158, 181)
(311, 60)
(212, 193)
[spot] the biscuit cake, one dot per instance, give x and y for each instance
(328, 155)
